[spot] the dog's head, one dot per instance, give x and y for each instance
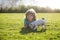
(31, 26)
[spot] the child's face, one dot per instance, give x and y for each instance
(30, 17)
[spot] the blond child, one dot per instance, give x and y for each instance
(29, 18)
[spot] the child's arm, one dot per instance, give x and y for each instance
(25, 23)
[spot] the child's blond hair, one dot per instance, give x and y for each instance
(31, 11)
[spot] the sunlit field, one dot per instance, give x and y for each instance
(11, 27)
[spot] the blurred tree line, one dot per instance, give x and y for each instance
(10, 6)
(23, 9)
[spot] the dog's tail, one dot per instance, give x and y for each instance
(43, 18)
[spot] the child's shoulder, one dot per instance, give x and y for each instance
(25, 19)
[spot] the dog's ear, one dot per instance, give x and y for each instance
(43, 18)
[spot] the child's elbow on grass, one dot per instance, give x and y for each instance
(25, 26)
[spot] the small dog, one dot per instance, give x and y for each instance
(36, 23)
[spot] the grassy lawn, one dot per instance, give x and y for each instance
(11, 27)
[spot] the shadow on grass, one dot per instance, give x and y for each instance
(25, 31)
(28, 30)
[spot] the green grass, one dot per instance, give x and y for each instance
(11, 27)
